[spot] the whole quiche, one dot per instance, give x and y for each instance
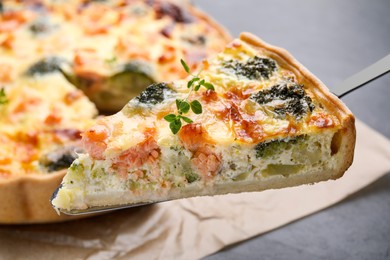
(64, 62)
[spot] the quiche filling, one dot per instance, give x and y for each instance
(259, 124)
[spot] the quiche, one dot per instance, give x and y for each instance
(111, 50)
(258, 120)
(62, 63)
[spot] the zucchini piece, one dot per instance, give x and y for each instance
(282, 169)
(111, 93)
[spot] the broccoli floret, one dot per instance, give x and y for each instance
(59, 159)
(295, 102)
(76, 167)
(270, 148)
(45, 66)
(191, 177)
(40, 26)
(255, 68)
(154, 94)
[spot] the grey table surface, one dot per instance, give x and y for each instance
(334, 39)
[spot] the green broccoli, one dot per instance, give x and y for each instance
(270, 148)
(295, 100)
(191, 176)
(154, 94)
(255, 68)
(45, 66)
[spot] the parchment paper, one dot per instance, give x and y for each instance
(193, 228)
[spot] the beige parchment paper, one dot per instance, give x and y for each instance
(193, 228)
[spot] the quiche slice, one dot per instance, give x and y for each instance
(266, 123)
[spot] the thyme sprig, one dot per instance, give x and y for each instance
(183, 106)
(3, 97)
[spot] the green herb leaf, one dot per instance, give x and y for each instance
(196, 107)
(113, 59)
(187, 120)
(170, 117)
(3, 97)
(199, 85)
(178, 102)
(189, 84)
(209, 86)
(175, 126)
(184, 107)
(185, 66)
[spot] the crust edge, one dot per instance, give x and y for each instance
(25, 199)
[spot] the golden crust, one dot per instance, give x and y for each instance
(25, 199)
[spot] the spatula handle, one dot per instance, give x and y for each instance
(363, 77)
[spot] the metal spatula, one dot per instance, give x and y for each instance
(358, 80)
(365, 76)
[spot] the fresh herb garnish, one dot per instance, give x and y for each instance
(183, 106)
(111, 60)
(3, 97)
